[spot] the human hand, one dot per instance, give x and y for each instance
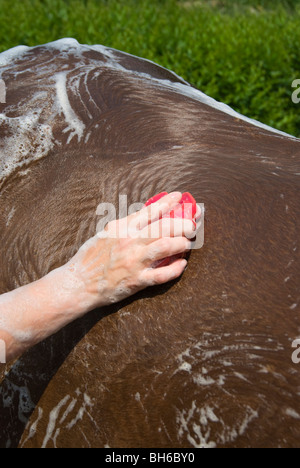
(119, 261)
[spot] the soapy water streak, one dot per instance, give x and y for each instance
(2, 352)
(2, 92)
(108, 213)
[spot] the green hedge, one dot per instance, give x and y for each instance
(244, 53)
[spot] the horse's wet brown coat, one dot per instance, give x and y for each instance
(205, 361)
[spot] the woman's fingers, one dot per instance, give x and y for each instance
(153, 276)
(152, 213)
(149, 223)
(169, 227)
(166, 247)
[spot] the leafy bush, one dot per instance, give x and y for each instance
(244, 53)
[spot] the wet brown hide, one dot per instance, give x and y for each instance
(202, 362)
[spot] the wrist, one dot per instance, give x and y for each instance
(69, 291)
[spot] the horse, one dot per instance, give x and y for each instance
(204, 361)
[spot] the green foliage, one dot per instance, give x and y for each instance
(244, 53)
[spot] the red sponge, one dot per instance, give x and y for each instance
(187, 209)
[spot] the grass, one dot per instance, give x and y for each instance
(244, 53)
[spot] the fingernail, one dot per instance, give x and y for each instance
(176, 195)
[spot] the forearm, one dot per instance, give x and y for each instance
(31, 313)
(105, 270)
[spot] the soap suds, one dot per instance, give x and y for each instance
(197, 423)
(10, 55)
(27, 141)
(87, 402)
(30, 138)
(52, 420)
(10, 216)
(292, 413)
(33, 427)
(75, 125)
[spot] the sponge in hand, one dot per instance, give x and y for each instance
(186, 209)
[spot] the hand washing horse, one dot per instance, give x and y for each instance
(203, 362)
